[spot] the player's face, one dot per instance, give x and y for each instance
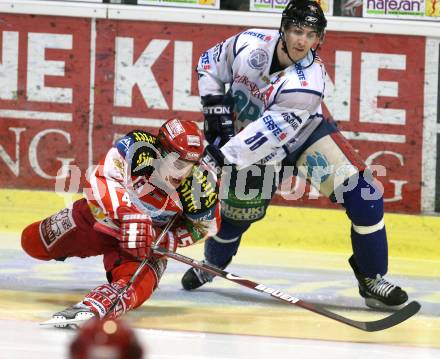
(173, 171)
(299, 40)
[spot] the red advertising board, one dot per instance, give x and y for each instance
(144, 73)
(44, 98)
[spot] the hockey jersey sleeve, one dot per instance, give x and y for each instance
(266, 136)
(215, 68)
(107, 190)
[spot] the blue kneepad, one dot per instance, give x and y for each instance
(220, 248)
(364, 210)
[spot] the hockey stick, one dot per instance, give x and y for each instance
(396, 318)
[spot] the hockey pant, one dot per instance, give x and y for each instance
(330, 164)
(70, 233)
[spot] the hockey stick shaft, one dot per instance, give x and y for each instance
(396, 318)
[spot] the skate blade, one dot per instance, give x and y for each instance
(377, 304)
(64, 323)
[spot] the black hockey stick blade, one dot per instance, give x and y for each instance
(396, 318)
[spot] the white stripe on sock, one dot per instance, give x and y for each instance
(369, 229)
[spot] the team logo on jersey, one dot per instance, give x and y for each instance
(258, 59)
(318, 167)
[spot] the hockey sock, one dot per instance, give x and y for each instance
(144, 284)
(368, 235)
(370, 252)
(220, 248)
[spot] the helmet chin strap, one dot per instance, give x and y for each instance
(284, 48)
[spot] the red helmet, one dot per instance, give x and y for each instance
(183, 137)
(105, 339)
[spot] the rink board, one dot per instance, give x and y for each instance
(310, 229)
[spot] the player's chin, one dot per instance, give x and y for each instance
(298, 55)
(174, 182)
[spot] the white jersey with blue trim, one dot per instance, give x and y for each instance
(275, 113)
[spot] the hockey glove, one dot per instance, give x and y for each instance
(136, 233)
(218, 110)
(213, 159)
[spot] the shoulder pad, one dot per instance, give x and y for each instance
(140, 148)
(123, 144)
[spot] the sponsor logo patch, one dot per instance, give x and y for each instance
(192, 156)
(301, 75)
(273, 127)
(56, 226)
(193, 140)
(242, 214)
(258, 35)
(292, 119)
(174, 128)
(205, 61)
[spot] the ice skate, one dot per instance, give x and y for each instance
(72, 317)
(379, 292)
(195, 278)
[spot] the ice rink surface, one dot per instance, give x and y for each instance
(221, 320)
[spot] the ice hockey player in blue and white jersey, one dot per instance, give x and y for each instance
(269, 120)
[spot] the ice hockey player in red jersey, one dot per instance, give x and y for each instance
(136, 189)
(106, 339)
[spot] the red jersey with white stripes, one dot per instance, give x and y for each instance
(128, 176)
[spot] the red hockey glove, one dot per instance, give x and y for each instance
(137, 233)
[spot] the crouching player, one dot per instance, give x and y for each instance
(137, 188)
